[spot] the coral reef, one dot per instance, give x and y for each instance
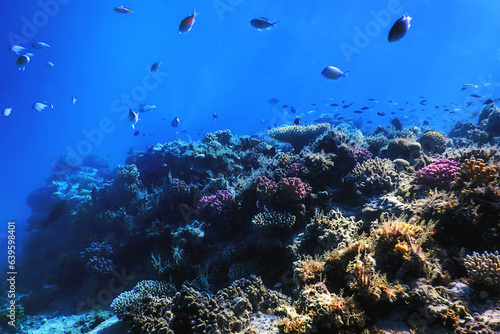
(476, 172)
(433, 142)
(374, 176)
(438, 174)
(484, 269)
(298, 135)
(96, 258)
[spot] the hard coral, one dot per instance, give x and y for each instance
(484, 269)
(433, 142)
(477, 173)
(298, 135)
(293, 188)
(274, 220)
(215, 205)
(440, 173)
(374, 176)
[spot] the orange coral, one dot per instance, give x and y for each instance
(477, 173)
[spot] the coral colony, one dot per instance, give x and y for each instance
(312, 229)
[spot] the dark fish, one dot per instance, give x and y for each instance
(285, 106)
(56, 212)
(397, 124)
(214, 116)
(175, 122)
(262, 23)
(296, 121)
(365, 108)
(400, 109)
(488, 101)
(155, 66)
(380, 113)
(436, 107)
(475, 95)
(137, 133)
(187, 23)
(334, 105)
(399, 29)
(423, 102)
(393, 112)
(347, 105)
(358, 111)
(313, 105)
(293, 110)
(273, 100)
(93, 194)
(370, 122)
(371, 99)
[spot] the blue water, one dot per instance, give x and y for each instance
(223, 65)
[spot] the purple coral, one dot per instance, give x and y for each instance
(293, 188)
(96, 258)
(361, 155)
(264, 186)
(440, 173)
(216, 205)
(297, 169)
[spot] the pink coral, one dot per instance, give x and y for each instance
(264, 186)
(440, 173)
(297, 169)
(293, 188)
(217, 204)
(361, 155)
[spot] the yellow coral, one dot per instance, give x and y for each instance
(433, 142)
(477, 173)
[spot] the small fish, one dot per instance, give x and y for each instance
(39, 106)
(333, 73)
(334, 105)
(348, 105)
(465, 86)
(146, 107)
(187, 23)
(137, 133)
(358, 111)
(50, 64)
(296, 121)
(273, 100)
(262, 23)
(423, 102)
(40, 45)
(380, 113)
(22, 61)
(293, 110)
(133, 118)
(155, 66)
(476, 96)
(488, 101)
(214, 116)
(371, 100)
(17, 49)
(73, 99)
(399, 29)
(370, 122)
(473, 114)
(365, 108)
(7, 111)
(123, 10)
(285, 106)
(175, 122)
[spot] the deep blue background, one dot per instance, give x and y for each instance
(224, 65)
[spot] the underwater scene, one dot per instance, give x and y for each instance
(237, 166)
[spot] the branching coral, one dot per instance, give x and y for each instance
(298, 135)
(274, 220)
(374, 175)
(477, 173)
(293, 188)
(484, 269)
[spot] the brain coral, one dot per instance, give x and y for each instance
(298, 135)
(433, 142)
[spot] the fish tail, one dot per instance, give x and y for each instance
(345, 74)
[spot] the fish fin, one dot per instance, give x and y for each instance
(133, 127)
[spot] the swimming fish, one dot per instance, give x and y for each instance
(293, 110)
(262, 23)
(465, 86)
(137, 133)
(39, 106)
(296, 121)
(175, 122)
(476, 96)
(17, 49)
(146, 107)
(358, 111)
(333, 73)
(214, 116)
(187, 23)
(22, 61)
(50, 64)
(73, 99)
(123, 10)
(40, 45)
(273, 100)
(133, 118)
(399, 29)
(155, 66)
(7, 111)
(380, 113)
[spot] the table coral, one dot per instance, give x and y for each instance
(298, 135)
